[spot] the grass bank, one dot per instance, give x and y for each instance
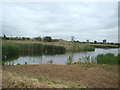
(84, 75)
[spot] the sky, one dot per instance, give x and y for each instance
(83, 20)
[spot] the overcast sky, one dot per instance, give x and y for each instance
(83, 20)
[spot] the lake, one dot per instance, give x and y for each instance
(61, 58)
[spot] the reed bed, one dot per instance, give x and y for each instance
(14, 49)
(108, 59)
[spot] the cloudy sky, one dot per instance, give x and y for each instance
(83, 20)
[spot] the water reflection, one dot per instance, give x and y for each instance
(61, 58)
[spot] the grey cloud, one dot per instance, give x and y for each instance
(61, 20)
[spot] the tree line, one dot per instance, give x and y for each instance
(45, 39)
(50, 39)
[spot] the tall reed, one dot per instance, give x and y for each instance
(9, 50)
(69, 60)
(41, 48)
(14, 49)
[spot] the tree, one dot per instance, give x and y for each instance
(27, 38)
(23, 38)
(72, 38)
(38, 38)
(5, 36)
(47, 39)
(95, 41)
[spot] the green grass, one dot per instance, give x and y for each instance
(44, 80)
(88, 48)
(108, 59)
(72, 86)
(40, 79)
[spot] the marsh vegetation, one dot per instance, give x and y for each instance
(108, 59)
(99, 59)
(12, 50)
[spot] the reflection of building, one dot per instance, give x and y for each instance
(104, 41)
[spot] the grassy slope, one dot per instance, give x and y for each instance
(57, 76)
(68, 45)
(13, 80)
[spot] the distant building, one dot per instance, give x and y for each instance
(87, 41)
(104, 41)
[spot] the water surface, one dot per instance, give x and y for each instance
(61, 58)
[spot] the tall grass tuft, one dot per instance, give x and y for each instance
(69, 60)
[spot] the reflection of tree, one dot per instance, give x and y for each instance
(40, 60)
(10, 58)
(50, 61)
(72, 55)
